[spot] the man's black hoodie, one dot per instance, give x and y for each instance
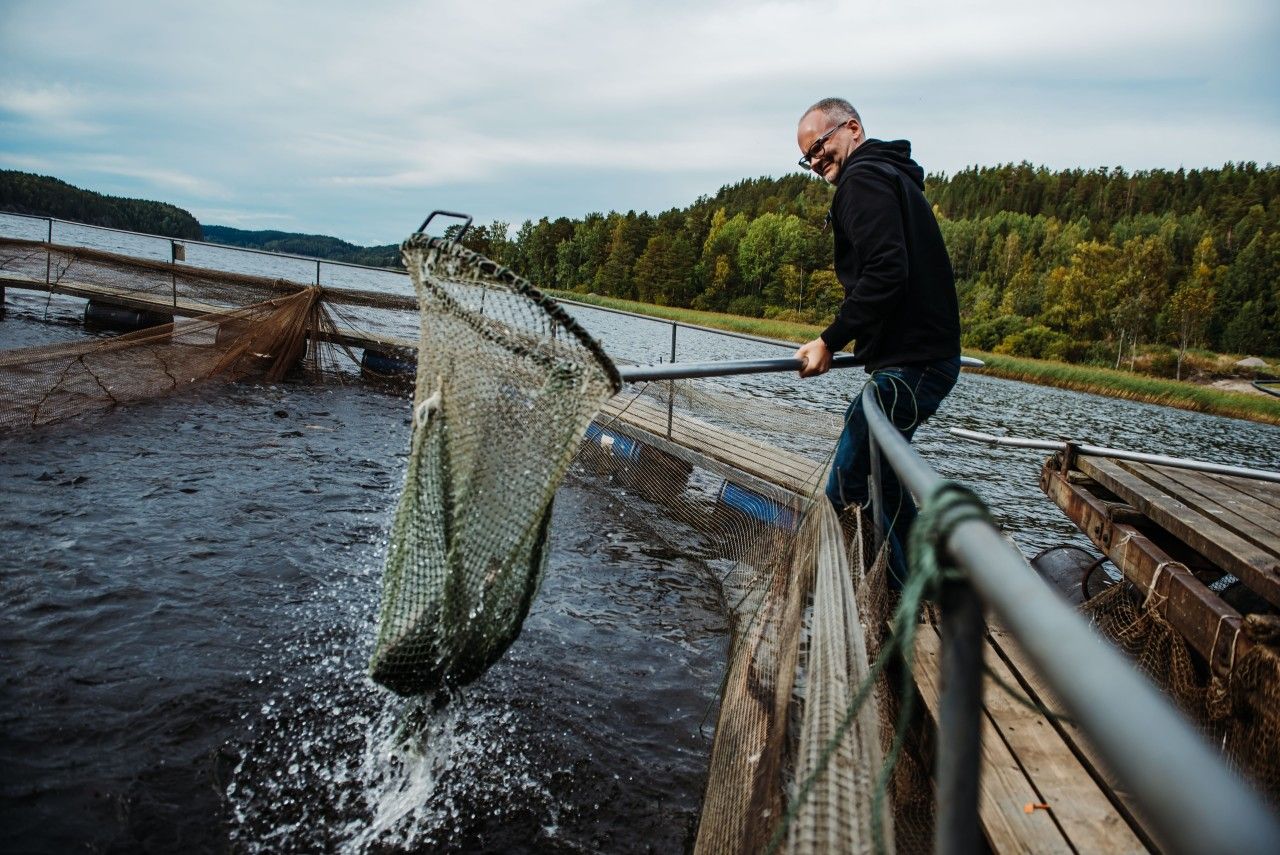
(900, 303)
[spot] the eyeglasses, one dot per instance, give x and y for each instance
(806, 162)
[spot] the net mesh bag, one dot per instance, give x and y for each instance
(506, 385)
(1239, 711)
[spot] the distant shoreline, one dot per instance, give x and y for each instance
(1245, 403)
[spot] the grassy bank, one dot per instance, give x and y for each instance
(1082, 378)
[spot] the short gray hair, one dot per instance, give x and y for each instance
(835, 109)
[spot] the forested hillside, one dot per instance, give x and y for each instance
(1076, 265)
(319, 246)
(39, 195)
(1079, 265)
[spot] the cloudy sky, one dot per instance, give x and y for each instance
(356, 118)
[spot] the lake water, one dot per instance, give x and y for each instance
(191, 584)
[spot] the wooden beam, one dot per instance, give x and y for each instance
(1004, 790)
(1209, 625)
(1257, 568)
(1006, 648)
(1081, 808)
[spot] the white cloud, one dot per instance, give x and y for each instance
(323, 108)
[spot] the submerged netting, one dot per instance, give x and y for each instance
(47, 384)
(219, 326)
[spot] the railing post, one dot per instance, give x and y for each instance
(317, 273)
(671, 384)
(959, 720)
(48, 256)
(875, 489)
(173, 269)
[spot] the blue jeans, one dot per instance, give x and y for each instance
(908, 394)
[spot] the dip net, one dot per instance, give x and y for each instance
(510, 394)
(506, 385)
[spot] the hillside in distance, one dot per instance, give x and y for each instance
(318, 246)
(44, 196)
(1077, 265)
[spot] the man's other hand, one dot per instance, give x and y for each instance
(816, 357)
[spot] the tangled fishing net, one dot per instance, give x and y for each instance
(235, 326)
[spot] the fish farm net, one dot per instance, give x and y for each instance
(218, 326)
(1238, 710)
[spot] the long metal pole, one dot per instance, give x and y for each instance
(671, 384)
(1119, 454)
(1195, 803)
(730, 367)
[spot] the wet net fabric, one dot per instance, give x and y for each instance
(220, 326)
(506, 385)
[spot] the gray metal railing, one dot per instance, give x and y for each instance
(1193, 802)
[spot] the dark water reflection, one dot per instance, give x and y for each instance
(190, 595)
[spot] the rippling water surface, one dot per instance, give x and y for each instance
(190, 587)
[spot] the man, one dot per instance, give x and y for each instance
(899, 307)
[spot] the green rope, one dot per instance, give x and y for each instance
(946, 506)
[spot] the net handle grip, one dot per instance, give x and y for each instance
(422, 228)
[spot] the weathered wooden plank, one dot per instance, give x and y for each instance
(1005, 647)
(1245, 496)
(1084, 812)
(1265, 492)
(793, 471)
(1224, 505)
(1255, 567)
(1004, 790)
(721, 446)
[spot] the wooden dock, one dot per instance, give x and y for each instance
(1042, 788)
(1204, 544)
(782, 475)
